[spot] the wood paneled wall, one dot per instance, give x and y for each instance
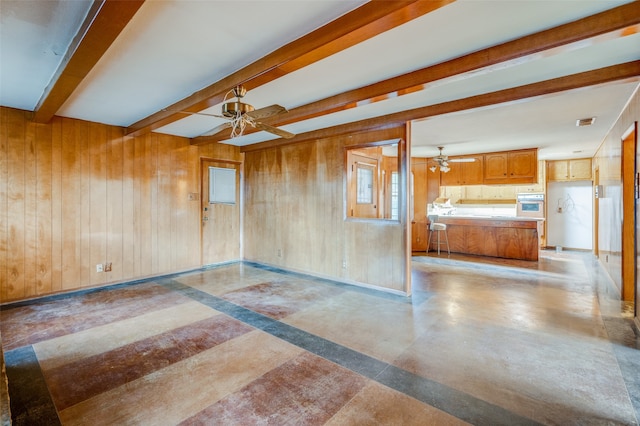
(608, 160)
(295, 215)
(74, 194)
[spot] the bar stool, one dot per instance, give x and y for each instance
(437, 227)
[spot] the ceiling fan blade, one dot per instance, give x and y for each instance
(462, 160)
(269, 111)
(196, 113)
(274, 130)
(217, 129)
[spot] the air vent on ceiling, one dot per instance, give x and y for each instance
(585, 121)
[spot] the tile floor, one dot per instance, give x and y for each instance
(480, 342)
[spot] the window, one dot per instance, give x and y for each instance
(394, 196)
(373, 182)
(364, 183)
(222, 185)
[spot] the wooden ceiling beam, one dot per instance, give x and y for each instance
(629, 71)
(612, 22)
(104, 22)
(363, 23)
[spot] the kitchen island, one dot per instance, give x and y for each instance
(498, 236)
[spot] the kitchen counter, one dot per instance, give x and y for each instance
(498, 236)
(483, 217)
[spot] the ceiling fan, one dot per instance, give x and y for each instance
(241, 115)
(443, 161)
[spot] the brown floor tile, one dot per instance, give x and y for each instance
(33, 323)
(306, 390)
(280, 298)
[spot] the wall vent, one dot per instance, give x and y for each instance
(585, 121)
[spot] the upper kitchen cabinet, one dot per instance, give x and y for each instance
(511, 167)
(467, 172)
(569, 170)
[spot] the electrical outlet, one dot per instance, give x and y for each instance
(279, 253)
(99, 267)
(344, 264)
(107, 267)
(559, 209)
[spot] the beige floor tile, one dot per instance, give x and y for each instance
(375, 326)
(379, 405)
(72, 347)
(552, 379)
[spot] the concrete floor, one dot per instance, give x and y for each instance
(481, 341)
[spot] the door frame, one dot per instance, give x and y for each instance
(239, 165)
(596, 212)
(628, 149)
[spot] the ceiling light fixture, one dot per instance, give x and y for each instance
(444, 168)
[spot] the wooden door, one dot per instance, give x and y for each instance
(220, 211)
(628, 218)
(364, 176)
(420, 172)
(632, 139)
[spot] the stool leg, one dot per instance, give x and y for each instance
(446, 236)
(438, 242)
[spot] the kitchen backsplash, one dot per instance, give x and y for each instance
(485, 192)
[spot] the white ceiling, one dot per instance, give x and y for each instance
(171, 49)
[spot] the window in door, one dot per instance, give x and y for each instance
(222, 185)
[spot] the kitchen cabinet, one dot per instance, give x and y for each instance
(510, 238)
(569, 170)
(465, 173)
(511, 167)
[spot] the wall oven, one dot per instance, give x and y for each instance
(530, 205)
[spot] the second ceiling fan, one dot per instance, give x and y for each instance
(443, 161)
